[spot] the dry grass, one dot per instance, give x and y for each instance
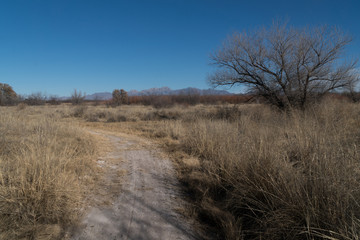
(44, 164)
(254, 173)
(280, 176)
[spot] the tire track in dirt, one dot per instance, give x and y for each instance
(145, 206)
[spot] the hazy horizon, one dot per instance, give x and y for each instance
(131, 92)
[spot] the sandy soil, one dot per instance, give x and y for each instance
(141, 192)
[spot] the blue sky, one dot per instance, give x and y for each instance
(56, 46)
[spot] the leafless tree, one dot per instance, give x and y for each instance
(287, 66)
(77, 97)
(53, 100)
(36, 98)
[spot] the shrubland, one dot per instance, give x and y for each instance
(272, 175)
(254, 172)
(250, 171)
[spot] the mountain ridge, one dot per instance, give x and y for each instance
(159, 92)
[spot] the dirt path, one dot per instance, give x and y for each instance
(143, 193)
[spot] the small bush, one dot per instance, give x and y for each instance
(228, 113)
(92, 118)
(117, 118)
(95, 116)
(160, 115)
(21, 106)
(101, 114)
(79, 111)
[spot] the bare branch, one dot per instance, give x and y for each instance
(285, 65)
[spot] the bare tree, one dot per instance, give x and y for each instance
(289, 67)
(77, 97)
(53, 100)
(37, 98)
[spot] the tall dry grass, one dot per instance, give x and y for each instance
(256, 173)
(43, 167)
(280, 176)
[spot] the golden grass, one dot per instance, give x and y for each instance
(44, 164)
(255, 173)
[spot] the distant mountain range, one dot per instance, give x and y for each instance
(160, 91)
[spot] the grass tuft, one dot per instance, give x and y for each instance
(44, 164)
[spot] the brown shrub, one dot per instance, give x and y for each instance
(79, 111)
(117, 118)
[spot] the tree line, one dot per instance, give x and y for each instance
(120, 97)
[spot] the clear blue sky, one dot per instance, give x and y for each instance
(55, 46)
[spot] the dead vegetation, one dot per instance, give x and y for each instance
(256, 173)
(251, 172)
(44, 164)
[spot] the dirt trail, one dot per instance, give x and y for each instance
(144, 199)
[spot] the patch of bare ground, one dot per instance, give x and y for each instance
(139, 196)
